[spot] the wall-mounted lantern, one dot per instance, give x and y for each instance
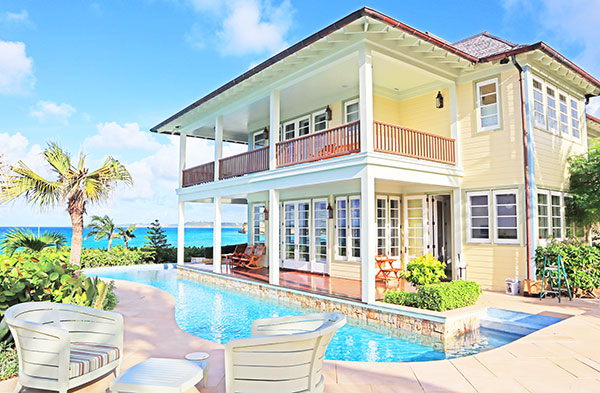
(329, 210)
(266, 213)
(439, 100)
(265, 133)
(328, 113)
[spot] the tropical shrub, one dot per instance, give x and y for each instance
(437, 297)
(21, 239)
(9, 363)
(582, 264)
(424, 270)
(117, 256)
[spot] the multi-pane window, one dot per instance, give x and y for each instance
(258, 224)
(388, 226)
(354, 203)
(259, 139)
(506, 214)
(488, 109)
(551, 106)
(320, 121)
(381, 213)
(479, 216)
(348, 227)
(564, 114)
(321, 216)
(575, 118)
(557, 218)
(342, 227)
(351, 110)
(539, 115)
(543, 215)
(394, 227)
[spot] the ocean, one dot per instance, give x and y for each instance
(193, 236)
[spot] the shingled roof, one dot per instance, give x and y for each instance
(484, 45)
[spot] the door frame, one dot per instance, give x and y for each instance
(317, 267)
(424, 217)
(296, 263)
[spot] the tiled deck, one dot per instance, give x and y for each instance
(561, 358)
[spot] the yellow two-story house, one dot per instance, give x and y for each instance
(370, 137)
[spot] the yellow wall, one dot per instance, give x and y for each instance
(491, 265)
(551, 159)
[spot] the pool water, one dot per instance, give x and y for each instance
(219, 315)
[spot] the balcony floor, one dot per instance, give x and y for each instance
(320, 284)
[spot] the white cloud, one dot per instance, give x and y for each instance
(115, 136)
(22, 16)
(51, 111)
(16, 74)
(15, 148)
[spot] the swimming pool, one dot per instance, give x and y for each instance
(219, 315)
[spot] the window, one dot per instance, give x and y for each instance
(342, 227)
(543, 219)
(258, 222)
(354, 227)
(319, 121)
(381, 212)
(487, 105)
(321, 216)
(575, 118)
(479, 217)
(564, 115)
(394, 227)
(551, 107)
(351, 110)
(259, 140)
(557, 218)
(539, 116)
(507, 217)
(348, 228)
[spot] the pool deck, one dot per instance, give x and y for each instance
(563, 357)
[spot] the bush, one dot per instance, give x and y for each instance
(9, 363)
(117, 256)
(424, 270)
(582, 264)
(437, 297)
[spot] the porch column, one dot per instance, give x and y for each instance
(365, 100)
(217, 235)
(274, 120)
(457, 217)
(180, 233)
(182, 156)
(368, 237)
(218, 145)
(273, 240)
(454, 125)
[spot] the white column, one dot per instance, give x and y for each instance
(365, 92)
(457, 217)
(182, 157)
(217, 235)
(368, 236)
(218, 144)
(454, 125)
(273, 241)
(180, 233)
(274, 113)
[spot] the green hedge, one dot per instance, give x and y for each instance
(582, 264)
(437, 297)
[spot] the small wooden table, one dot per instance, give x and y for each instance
(159, 375)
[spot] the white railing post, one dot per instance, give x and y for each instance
(274, 120)
(217, 235)
(273, 241)
(365, 101)
(181, 233)
(218, 145)
(368, 236)
(182, 156)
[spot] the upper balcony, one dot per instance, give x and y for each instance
(326, 144)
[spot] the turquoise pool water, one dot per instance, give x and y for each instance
(220, 315)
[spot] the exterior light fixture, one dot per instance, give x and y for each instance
(328, 113)
(330, 210)
(439, 100)
(266, 213)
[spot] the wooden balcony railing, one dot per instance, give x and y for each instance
(252, 161)
(402, 141)
(204, 173)
(320, 145)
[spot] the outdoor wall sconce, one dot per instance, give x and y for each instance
(265, 133)
(328, 113)
(266, 212)
(330, 210)
(439, 100)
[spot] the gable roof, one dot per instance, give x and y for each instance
(484, 44)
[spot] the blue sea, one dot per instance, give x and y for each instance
(193, 236)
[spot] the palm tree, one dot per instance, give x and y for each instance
(76, 187)
(126, 234)
(101, 228)
(18, 238)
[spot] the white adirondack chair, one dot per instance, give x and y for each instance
(62, 346)
(284, 355)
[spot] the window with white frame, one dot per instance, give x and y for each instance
(564, 114)
(557, 215)
(351, 111)
(488, 109)
(479, 216)
(394, 249)
(575, 118)
(348, 228)
(506, 216)
(259, 139)
(354, 203)
(258, 224)
(381, 218)
(341, 205)
(539, 115)
(551, 109)
(319, 121)
(543, 215)
(321, 216)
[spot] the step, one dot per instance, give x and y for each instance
(516, 322)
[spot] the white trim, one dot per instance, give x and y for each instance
(470, 239)
(561, 215)
(346, 105)
(547, 87)
(539, 216)
(480, 127)
(514, 192)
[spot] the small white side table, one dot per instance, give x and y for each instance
(159, 375)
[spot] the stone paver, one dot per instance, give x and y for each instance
(563, 357)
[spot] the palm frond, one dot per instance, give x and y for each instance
(23, 181)
(59, 160)
(18, 238)
(100, 183)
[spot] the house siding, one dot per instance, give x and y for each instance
(491, 264)
(551, 159)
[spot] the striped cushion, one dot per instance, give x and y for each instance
(87, 357)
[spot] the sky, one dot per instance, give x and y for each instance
(96, 76)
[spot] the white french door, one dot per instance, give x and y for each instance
(320, 236)
(415, 227)
(296, 235)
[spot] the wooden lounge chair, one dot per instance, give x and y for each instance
(284, 354)
(238, 252)
(237, 260)
(387, 271)
(251, 262)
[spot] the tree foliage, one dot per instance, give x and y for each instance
(26, 240)
(584, 187)
(156, 241)
(102, 228)
(126, 234)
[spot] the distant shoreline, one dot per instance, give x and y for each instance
(124, 225)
